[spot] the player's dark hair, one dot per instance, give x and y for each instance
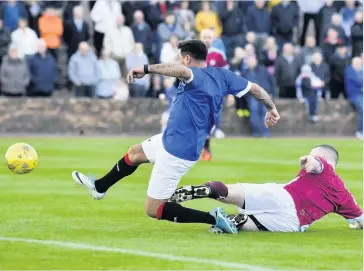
(330, 148)
(195, 48)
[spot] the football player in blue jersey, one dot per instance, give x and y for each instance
(196, 106)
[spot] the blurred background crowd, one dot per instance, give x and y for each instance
(307, 50)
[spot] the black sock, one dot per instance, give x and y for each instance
(207, 144)
(177, 213)
(122, 169)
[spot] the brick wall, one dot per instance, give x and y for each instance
(142, 116)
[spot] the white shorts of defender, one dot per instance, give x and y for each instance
(272, 206)
(167, 170)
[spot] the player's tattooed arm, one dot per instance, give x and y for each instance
(172, 70)
(262, 96)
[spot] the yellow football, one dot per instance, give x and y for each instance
(21, 158)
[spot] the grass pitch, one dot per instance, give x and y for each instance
(47, 205)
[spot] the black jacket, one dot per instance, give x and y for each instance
(337, 68)
(284, 19)
(232, 21)
(285, 72)
(5, 40)
(143, 35)
(322, 71)
(258, 19)
(324, 16)
(72, 37)
(357, 39)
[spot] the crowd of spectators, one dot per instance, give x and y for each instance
(266, 41)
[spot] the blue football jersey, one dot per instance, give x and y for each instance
(196, 107)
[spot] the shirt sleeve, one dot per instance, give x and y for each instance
(237, 85)
(196, 78)
(350, 210)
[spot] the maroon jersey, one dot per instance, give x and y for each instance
(216, 58)
(316, 195)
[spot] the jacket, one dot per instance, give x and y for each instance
(5, 39)
(120, 41)
(104, 14)
(43, 72)
(51, 30)
(353, 82)
(232, 21)
(337, 67)
(329, 49)
(258, 20)
(83, 70)
(14, 75)
(322, 71)
(143, 34)
(72, 37)
(260, 76)
(11, 14)
(109, 74)
(208, 20)
(285, 72)
(26, 41)
(133, 60)
(357, 39)
(284, 19)
(165, 31)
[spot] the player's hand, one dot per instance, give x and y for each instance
(272, 117)
(308, 163)
(135, 73)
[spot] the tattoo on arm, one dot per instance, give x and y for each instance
(262, 96)
(172, 70)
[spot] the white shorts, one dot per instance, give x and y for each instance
(167, 170)
(272, 206)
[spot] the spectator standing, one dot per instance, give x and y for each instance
(51, 30)
(14, 74)
(348, 13)
(83, 71)
(324, 19)
(142, 32)
(258, 21)
(120, 41)
(109, 75)
(259, 75)
(34, 8)
(76, 30)
(322, 71)
(270, 55)
(308, 89)
(286, 71)
(309, 49)
(25, 39)
(338, 64)
(169, 53)
(207, 18)
(357, 34)
(232, 25)
(354, 90)
(184, 14)
(170, 27)
(43, 72)
(104, 14)
(136, 59)
(310, 11)
(330, 44)
(336, 20)
(11, 11)
(5, 40)
(284, 19)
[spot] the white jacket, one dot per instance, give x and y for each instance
(120, 41)
(26, 41)
(168, 53)
(104, 14)
(310, 6)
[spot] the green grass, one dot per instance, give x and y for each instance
(47, 205)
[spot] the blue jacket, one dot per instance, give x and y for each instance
(43, 72)
(258, 20)
(353, 82)
(11, 14)
(83, 70)
(261, 77)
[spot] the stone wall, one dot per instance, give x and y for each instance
(142, 116)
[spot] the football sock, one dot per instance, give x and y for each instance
(122, 169)
(177, 213)
(207, 144)
(218, 190)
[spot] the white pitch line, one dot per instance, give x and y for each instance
(168, 257)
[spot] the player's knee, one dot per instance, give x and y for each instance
(151, 210)
(136, 155)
